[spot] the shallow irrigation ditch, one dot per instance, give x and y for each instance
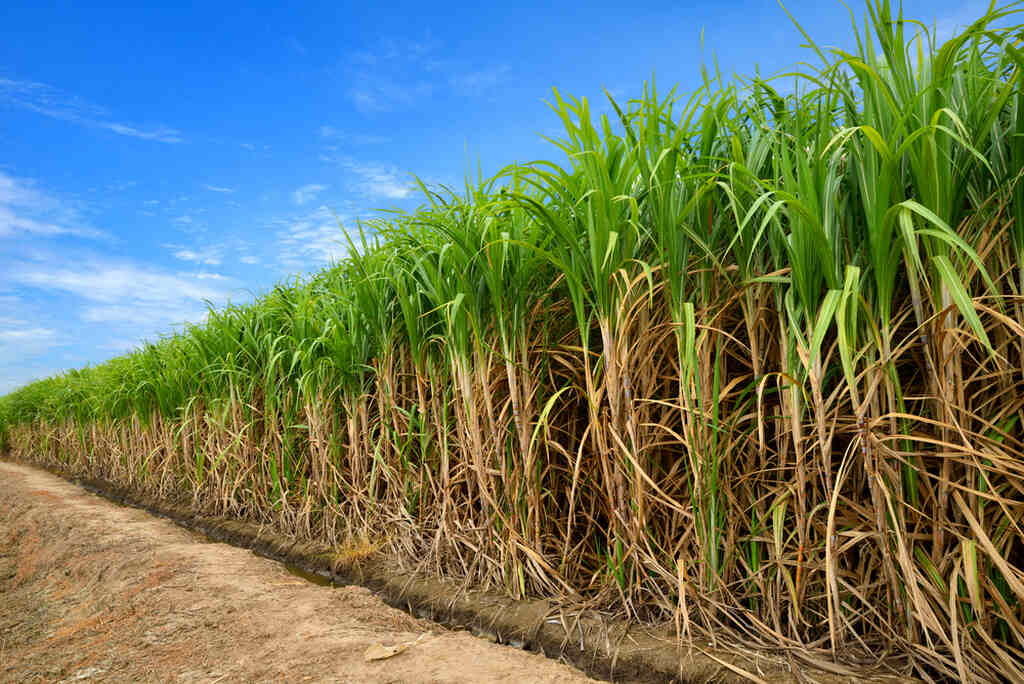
(598, 644)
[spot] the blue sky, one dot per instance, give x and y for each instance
(152, 159)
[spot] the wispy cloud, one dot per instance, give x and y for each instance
(307, 193)
(312, 240)
(373, 180)
(24, 209)
(374, 93)
(27, 335)
(55, 103)
(129, 298)
(226, 250)
(56, 298)
(11, 223)
(116, 282)
(210, 257)
(162, 134)
(122, 345)
(215, 188)
(396, 49)
(343, 136)
(379, 181)
(398, 74)
(148, 318)
(389, 75)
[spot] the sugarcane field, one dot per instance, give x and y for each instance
(725, 384)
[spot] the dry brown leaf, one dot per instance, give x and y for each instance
(381, 652)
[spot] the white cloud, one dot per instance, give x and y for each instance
(24, 209)
(374, 180)
(400, 74)
(123, 345)
(148, 317)
(229, 250)
(57, 104)
(11, 223)
(109, 300)
(210, 256)
(214, 188)
(162, 134)
(124, 299)
(384, 77)
(307, 193)
(332, 133)
(14, 191)
(117, 283)
(186, 219)
(381, 181)
(373, 93)
(34, 336)
(312, 240)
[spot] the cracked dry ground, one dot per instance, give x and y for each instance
(90, 591)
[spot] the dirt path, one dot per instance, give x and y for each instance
(93, 591)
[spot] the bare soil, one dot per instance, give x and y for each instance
(92, 591)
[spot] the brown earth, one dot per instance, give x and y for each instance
(93, 591)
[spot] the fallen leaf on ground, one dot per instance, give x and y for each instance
(380, 652)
